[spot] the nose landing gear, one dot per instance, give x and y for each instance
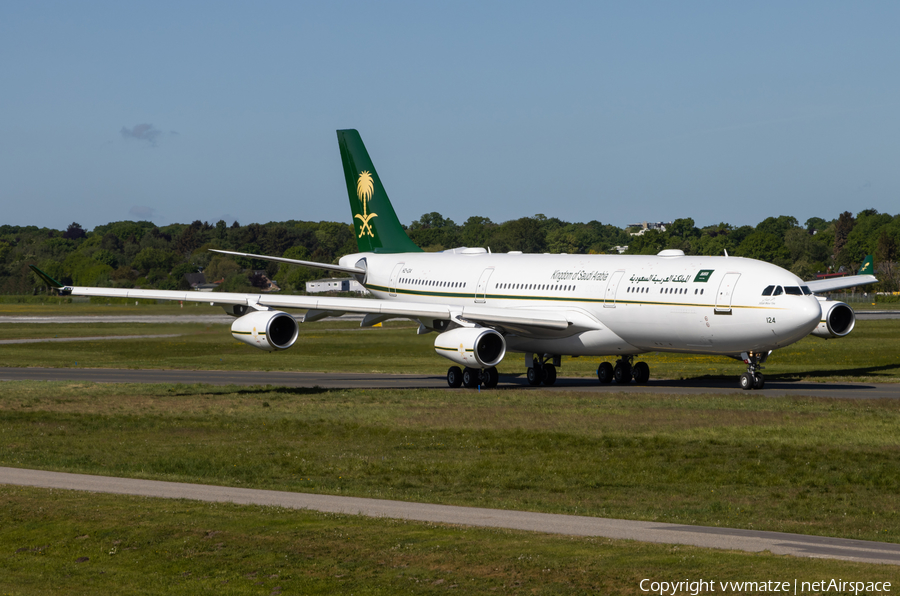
(753, 379)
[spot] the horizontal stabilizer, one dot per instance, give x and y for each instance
(47, 279)
(312, 264)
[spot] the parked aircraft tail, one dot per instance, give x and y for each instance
(376, 225)
(867, 267)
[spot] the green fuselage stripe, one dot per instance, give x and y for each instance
(485, 296)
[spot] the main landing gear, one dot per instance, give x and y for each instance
(542, 370)
(753, 379)
(623, 372)
(472, 377)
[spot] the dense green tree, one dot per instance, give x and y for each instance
(777, 226)
(842, 229)
(476, 231)
(154, 258)
(433, 231)
(525, 234)
(764, 246)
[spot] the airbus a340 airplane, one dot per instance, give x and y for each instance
(483, 305)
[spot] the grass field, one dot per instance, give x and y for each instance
(870, 354)
(61, 542)
(813, 466)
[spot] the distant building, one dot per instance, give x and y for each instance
(198, 283)
(620, 249)
(644, 226)
(335, 284)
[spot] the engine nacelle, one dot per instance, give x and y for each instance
(475, 347)
(838, 320)
(266, 329)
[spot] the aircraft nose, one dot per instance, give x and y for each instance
(809, 314)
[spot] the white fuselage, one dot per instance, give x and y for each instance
(616, 304)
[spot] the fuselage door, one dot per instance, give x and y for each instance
(609, 300)
(725, 293)
(395, 275)
(481, 288)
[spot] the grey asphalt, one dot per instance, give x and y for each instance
(99, 337)
(703, 536)
(385, 381)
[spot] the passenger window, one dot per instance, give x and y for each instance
(778, 291)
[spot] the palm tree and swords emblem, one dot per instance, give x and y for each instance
(365, 189)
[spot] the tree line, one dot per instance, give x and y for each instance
(141, 254)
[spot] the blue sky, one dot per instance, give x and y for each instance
(620, 111)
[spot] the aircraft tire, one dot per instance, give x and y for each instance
(549, 374)
(641, 373)
(622, 372)
(759, 381)
(491, 377)
(746, 381)
(534, 375)
(470, 378)
(455, 377)
(605, 373)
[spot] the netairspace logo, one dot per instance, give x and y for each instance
(696, 587)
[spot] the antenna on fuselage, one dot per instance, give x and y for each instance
(726, 252)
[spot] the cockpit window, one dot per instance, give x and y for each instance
(793, 290)
(806, 290)
(778, 291)
(768, 291)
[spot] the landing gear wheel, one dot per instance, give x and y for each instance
(641, 373)
(758, 381)
(549, 374)
(622, 372)
(746, 381)
(535, 374)
(454, 377)
(605, 373)
(491, 377)
(470, 378)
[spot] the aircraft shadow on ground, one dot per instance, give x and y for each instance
(773, 381)
(270, 389)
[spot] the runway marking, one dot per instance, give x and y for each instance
(779, 543)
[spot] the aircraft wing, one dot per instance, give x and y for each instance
(840, 283)
(863, 277)
(335, 306)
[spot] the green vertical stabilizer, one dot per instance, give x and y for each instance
(376, 225)
(867, 268)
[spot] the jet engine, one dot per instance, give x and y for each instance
(473, 347)
(837, 320)
(266, 329)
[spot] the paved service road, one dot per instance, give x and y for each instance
(382, 381)
(723, 538)
(98, 338)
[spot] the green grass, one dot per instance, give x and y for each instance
(870, 354)
(63, 542)
(814, 466)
